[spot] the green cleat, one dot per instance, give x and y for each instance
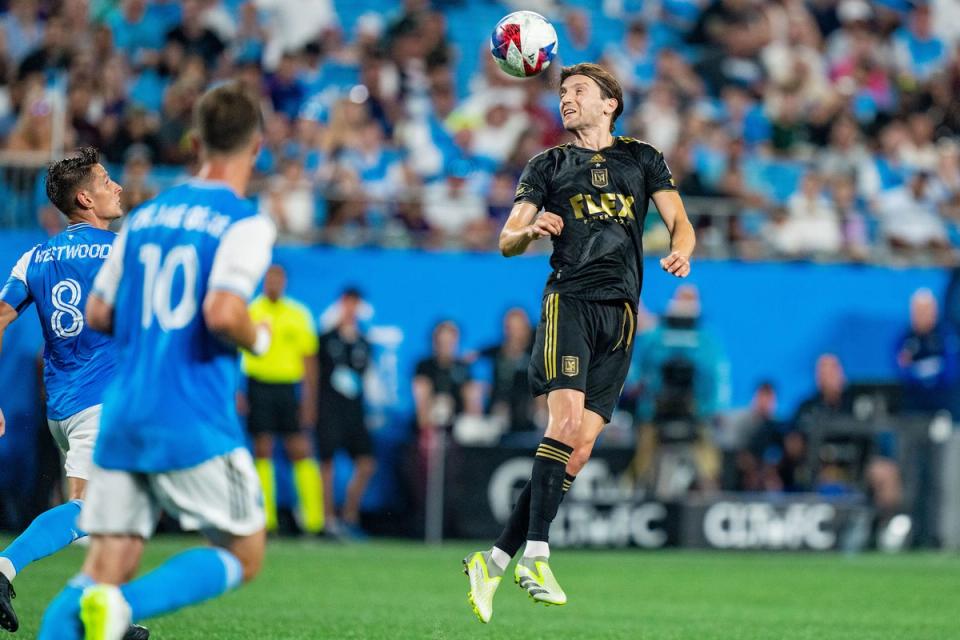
(104, 613)
(485, 576)
(535, 577)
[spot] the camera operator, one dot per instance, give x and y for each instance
(684, 379)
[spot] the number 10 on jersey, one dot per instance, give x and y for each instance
(159, 274)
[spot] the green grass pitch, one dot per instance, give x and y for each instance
(402, 590)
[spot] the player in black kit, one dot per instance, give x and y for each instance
(591, 197)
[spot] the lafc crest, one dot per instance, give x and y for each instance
(599, 177)
(570, 365)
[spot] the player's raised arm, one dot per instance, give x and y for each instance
(682, 237)
(524, 226)
(242, 259)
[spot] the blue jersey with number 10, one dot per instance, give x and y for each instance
(56, 276)
(172, 403)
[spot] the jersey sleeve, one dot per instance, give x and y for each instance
(532, 186)
(656, 171)
(243, 256)
(15, 291)
(107, 282)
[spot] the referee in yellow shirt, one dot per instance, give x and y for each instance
(282, 398)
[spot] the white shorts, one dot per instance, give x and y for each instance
(76, 436)
(221, 495)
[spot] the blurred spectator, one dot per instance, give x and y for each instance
(379, 168)
(811, 226)
(452, 209)
(918, 52)
(927, 357)
(292, 24)
(853, 216)
(286, 92)
(633, 59)
(443, 390)
(442, 385)
(79, 106)
(22, 28)
(845, 153)
(510, 402)
(289, 201)
(34, 129)
(137, 127)
(53, 55)
(760, 452)
(250, 37)
(576, 34)
(194, 36)
(138, 31)
(910, 218)
(137, 184)
(840, 457)
(345, 355)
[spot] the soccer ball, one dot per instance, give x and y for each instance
(523, 44)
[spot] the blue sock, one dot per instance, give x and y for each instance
(61, 621)
(187, 578)
(51, 531)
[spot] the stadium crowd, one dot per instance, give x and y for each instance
(825, 128)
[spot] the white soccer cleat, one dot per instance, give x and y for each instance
(484, 577)
(535, 577)
(104, 612)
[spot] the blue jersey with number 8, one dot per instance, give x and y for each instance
(56, 277)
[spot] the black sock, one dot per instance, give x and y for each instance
(546, 486)
(515, 533)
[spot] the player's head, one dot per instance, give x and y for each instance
(228, 122)
(589, 97)
(79, 186)
(275, 282)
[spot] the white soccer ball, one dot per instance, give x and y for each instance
(523, 44)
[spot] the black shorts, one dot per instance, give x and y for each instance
(343, 429)
(274, 408)
(584, 345)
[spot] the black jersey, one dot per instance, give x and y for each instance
(602, 197)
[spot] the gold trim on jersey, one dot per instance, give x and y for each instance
(633, 323)
(550, 336)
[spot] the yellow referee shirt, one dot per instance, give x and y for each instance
(293, 337)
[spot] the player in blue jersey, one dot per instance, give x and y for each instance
(56, 277)
(174, 293)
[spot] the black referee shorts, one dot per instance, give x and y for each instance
(274, 408)
(343, 427)
(584, 345)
